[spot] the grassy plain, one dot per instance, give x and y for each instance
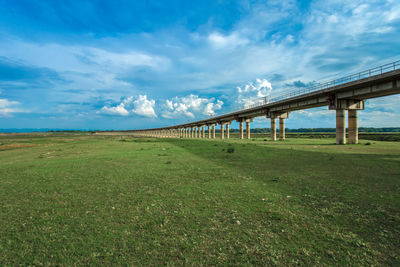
(78, 199)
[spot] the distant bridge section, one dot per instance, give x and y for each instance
(345, 94)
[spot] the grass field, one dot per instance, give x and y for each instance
(77, 199)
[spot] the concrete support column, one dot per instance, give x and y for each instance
(213, 131)
(209, 131)
(281, 129)
(353, 126)
(273, 129)
(222, 131)
(241, 129)
(340, 127)
(198, 132)
(248, 129)
(204, 132)
(227, 131)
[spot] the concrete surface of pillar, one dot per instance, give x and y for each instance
(227, 131)
(248, 129)
(203, 130)
(353, 126)
(241, 129)
(273, 129)
(340, 126)
(281, 129)
(222, 130)
(209, 131)
(213, 131)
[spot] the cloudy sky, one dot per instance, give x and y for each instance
(138, 64)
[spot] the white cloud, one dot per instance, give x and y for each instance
(139, 105)
(232, 40)
(117, 110)
(122, 60)
(190, 106)
(8, 107)
(144, 106)
(252, 93)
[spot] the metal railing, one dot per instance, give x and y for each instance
(321, 86)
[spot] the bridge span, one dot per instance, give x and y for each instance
(345, 94)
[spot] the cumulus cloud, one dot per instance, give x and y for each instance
(144, 106)
(139, 105)
(254, 92)
(8, 107)
(119, 109)
(190, 106)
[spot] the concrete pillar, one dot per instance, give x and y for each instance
(213, 131)
(209, 131)
(273, 129)
(227, 131)
(281, 129)
(198, 132)
(203, 131)
(222, 131)
(248, 129)
(241, 129)
(340, 127)
(353, 126)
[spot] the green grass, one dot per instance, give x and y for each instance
(116, 200)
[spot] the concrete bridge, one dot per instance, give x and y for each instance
(347, 93)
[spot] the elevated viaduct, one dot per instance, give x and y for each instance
(345, 94)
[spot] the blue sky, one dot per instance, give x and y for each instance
(140, 64)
